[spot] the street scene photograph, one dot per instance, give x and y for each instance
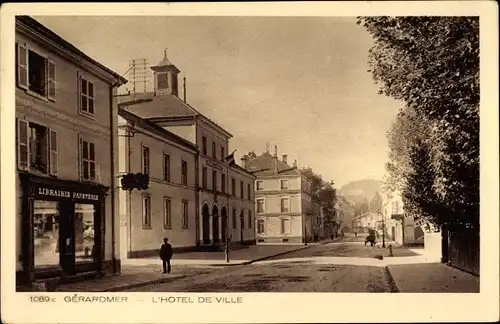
(232, 154)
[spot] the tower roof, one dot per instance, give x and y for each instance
(165, 65)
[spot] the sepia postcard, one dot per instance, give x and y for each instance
(249, 162)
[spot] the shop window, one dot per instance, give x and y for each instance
(85, 248)
(46, 233)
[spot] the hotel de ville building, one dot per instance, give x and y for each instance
(198, 196)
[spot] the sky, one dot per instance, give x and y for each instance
(300, 83)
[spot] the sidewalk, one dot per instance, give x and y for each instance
(142, 272)
(432, 277)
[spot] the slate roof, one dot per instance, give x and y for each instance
(152, 127)
(40, 28)
(148, 106)
(263, 165)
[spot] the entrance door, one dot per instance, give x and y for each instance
(206, 224)
(67, 237)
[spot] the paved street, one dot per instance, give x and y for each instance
(315, 269)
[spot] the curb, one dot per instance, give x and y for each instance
(143, 283)
(394, 285)
(275, 255)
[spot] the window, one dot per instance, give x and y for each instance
(250, 219)
(241, 189)
(214, 180)
(204, 145)
(36, 147)
(242, 219)
(284, 205)
(167, 212)
(162, 79)
(88, 168)
(185, 214)
(214, 153)
(223, 182)
(259, 185)
(184, 172)
(86, 96)
(204, 175)
(233, 187)
(234, 218)
(146, 211)
(46, 231)
(145, 160)
(260, 206)
(166, 167)
(285, 226)
(35, 72)
(260, 226)
(222, 152)
(249, 192)
(284, 184)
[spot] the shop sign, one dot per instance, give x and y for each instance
(69, 194)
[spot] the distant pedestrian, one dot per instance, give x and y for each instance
(165, 255)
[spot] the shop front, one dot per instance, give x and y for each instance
(62, 227)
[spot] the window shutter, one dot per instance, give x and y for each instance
(22, 66)
(51, 80)
(78, 90)
(53, 150)
(23, 149)
(80, 157)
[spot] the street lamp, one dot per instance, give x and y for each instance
(383, 228)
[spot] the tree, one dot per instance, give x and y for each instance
(432, 65)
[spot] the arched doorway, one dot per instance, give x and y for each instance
(224, 224)
(215, 224)
(206, 224)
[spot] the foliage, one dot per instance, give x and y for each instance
(432, 65)
(322, 192)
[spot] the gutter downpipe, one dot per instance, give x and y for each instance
(114, 129)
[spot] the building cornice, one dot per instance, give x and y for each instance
(27, 108)
(79, 59)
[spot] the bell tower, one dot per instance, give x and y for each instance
(166, 77)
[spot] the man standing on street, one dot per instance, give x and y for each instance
(166, 255)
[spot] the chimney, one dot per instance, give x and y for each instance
(294, 163)
(284, 158)
(275, 151)
(184, 90)
(244, 159)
